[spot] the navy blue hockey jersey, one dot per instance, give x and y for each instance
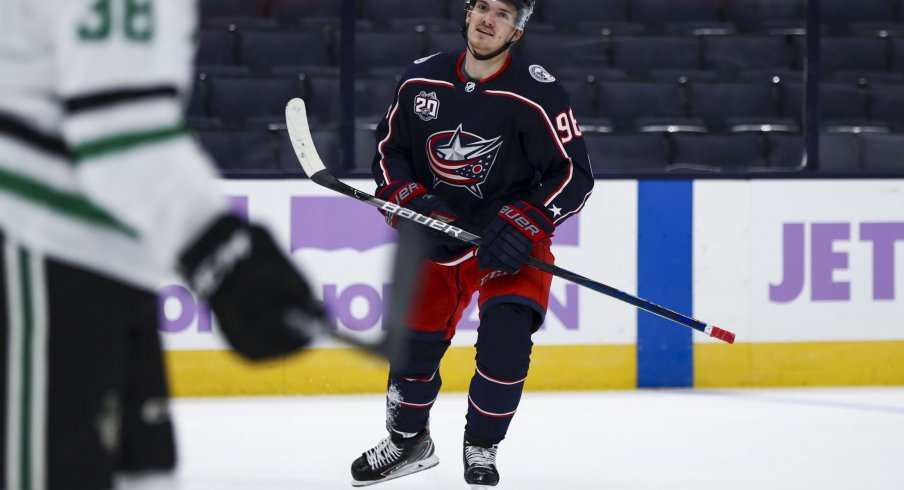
(480, 144)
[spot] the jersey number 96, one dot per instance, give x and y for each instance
(567, 126)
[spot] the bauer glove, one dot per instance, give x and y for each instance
(439, 246)
(414, 196)
(264, 306)
(510, 237)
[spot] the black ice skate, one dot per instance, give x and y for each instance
(480, 464)
(393, 457)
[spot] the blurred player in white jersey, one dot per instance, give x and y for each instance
(103, 192)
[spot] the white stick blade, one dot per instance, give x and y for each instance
(300, 135)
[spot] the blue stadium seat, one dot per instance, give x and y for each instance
(733, 55)
(217, 47)
(210, 9)
(455, 9)
(717, 152)
(683, 76)
(323, 100)
(264, 50)
(365, 148)
(242, 150)
(294, 12)
(659, 15)
(623, 102)
(257, 101)
(601, 74)
(384, 11)
(763, 15)
(444, 42)
(240, 23)
(373, 97)
(425, 24)
(841, 103)
(784, 150)
(626, 152)
(887, 102)
(584, 97)
(883, 152)
(554, 51)
(384, 49)
(578, 11)
(838, 15)
(723, 104)
(839, 152)
(864, 54)
(638, 55)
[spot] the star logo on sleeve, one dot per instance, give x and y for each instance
(555, 210)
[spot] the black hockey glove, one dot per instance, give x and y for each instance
(508, 240)
(440, 247)
(414, 196)
(264, 306)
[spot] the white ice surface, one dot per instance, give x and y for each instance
(802, 439)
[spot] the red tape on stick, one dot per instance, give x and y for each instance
(723, 335)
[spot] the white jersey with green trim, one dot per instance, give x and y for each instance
(96, 165)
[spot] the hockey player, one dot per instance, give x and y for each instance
(487, 141)
(103, 193)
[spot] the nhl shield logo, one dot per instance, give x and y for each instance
(426, 106)
(462, 159)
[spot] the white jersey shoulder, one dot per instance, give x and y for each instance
(103, 80)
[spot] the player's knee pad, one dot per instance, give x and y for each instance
(419, 355)
(504, 341)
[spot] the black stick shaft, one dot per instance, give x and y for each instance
(326, 179)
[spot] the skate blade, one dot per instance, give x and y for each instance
(424, 464)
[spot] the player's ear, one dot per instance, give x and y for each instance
(517, 36)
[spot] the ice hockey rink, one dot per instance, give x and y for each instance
(815, 438)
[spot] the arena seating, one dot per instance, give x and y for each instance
(657, 85)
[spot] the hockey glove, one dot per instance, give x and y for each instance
(414, 196)
(510, 237)
(264, 306)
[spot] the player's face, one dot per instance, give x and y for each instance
(491, 23)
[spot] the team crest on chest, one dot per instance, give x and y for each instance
(462, 159)
(426, 106)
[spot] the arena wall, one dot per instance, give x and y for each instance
(808, 273)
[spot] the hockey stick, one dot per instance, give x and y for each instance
(300, 135)
(409, 253)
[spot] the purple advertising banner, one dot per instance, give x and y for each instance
(825, 260)
(336, 224)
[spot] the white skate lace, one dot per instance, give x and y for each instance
(384, 452)
(480, 456)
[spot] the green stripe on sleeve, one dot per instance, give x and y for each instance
(72, 205)
(127, 141)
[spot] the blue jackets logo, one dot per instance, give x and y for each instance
(462, 159)
(426, 106)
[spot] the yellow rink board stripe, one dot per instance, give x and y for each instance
(799, 364)
(573, 367)
(340, 371)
